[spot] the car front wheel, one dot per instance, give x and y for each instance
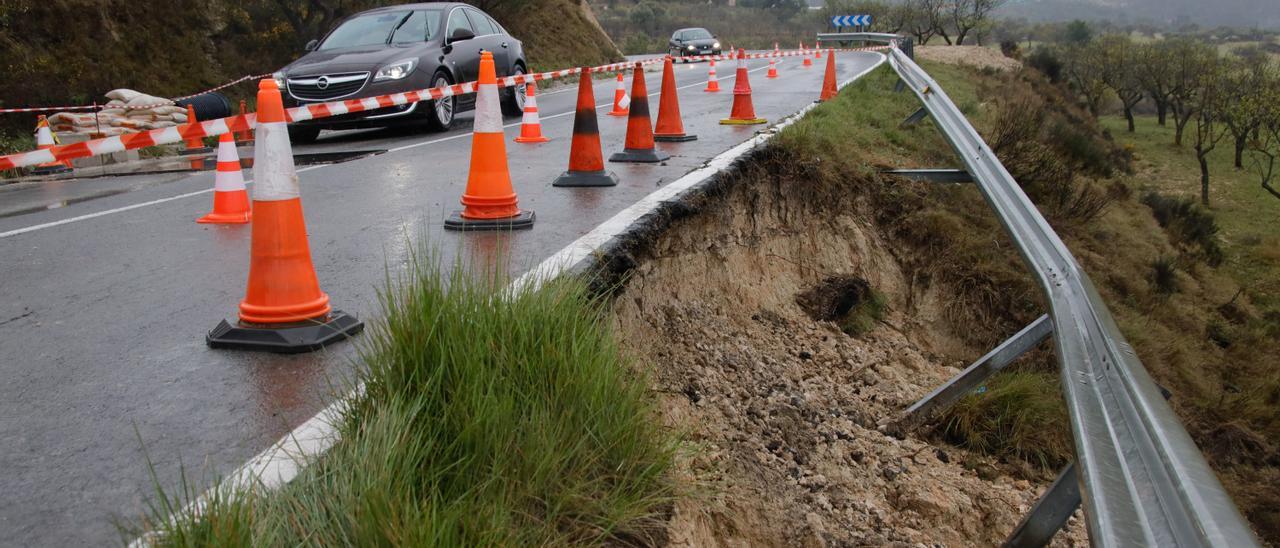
(440, 111)
(513, 99)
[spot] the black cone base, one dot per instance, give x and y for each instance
(51, 170)
(457, 222)
(675, 138)
(586, 178)
(293, 338)
(644, 155)
(194, 151)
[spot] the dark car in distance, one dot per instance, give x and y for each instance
(397, 49)
(693, 41)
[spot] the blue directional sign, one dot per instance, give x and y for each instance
(851, 20)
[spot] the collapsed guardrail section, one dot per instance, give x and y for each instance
(1143, 481)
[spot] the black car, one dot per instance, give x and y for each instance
(695, 41)
(397, 49)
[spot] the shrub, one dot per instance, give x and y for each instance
(1044, 60)
(1010, 49)
(1164, 275)
(1187, 224)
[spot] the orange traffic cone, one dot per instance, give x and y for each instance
(817, 52)
(773, 69)
(283, 309)
(531, 125)
(744, 112)
(713, 85)
(245, 136)
(804, 54)
(829, 79)
(776, 49)
(586, 160)
(621, 103)
(489, 203)
(670, 128)
(230, 200)
(195, 143)
(639, 146)
(44, 141)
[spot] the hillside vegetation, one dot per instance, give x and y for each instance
(67, 52)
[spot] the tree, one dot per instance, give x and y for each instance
(968, 16)
(1266, 145)
(1190, 61)
(1211, 96)
(1119, 58)
(1077, 32)
(1246, 81)
(1084, 69)
(1155, 73)
(922, 17)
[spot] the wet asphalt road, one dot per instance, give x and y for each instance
(102, 319)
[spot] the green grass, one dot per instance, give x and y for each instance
(486, 420)
(1006, 417)
(1245, 212)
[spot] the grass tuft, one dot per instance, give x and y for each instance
(1006, 418)
(486, 419)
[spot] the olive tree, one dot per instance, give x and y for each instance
(1191, 62)
(1119, 57)
(1155, 73)
(1208, 99)
(1266, 145)
(1083, 67)
(969, 16)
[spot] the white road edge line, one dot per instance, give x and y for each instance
(281, 463)
(69, 220)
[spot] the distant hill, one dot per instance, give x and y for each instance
(1233, 13)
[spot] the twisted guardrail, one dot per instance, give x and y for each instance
(1143, 481)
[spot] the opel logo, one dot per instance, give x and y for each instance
(322, 82)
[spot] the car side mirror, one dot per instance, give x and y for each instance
(460, 35)
(311, 46)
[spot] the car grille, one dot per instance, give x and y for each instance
(326, 87)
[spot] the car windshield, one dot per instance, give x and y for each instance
(374, 29)
(697, 34)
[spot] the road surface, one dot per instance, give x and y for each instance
(108, 286)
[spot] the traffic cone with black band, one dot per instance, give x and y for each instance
(744, 112)
(489, 202)
(44, 141)
(621, 103)
(586, 158)
(804, 54)
(670, 127)
(283, 309)
(773, 69)
(194, 135)
(713, 85)
(639, 146)
(531, 125)
(829, 90)
(230, 199)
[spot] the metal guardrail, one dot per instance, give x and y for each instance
(905, 43)
(1143, 480)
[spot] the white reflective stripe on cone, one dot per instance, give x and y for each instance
(44, 136)
(227, 152)
(488, 115)
(229, 181)
(274, 177)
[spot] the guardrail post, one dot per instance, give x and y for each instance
(915, 117)
(946, 395)
(1049, 514)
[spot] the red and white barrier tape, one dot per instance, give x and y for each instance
(242, 123)
(129, 107)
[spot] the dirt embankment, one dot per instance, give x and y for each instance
(973, 56)
(784, 408)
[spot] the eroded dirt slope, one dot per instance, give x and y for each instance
(785, 408)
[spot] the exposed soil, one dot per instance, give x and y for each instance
(784, 408)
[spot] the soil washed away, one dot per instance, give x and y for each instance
(782, 408)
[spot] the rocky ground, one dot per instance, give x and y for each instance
(784, 409)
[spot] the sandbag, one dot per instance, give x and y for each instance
(123, 95)
(169, 109)
(142, 100)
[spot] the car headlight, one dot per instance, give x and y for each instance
(716, 45)
(396, 70)
(280, 79)
(691, 48)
